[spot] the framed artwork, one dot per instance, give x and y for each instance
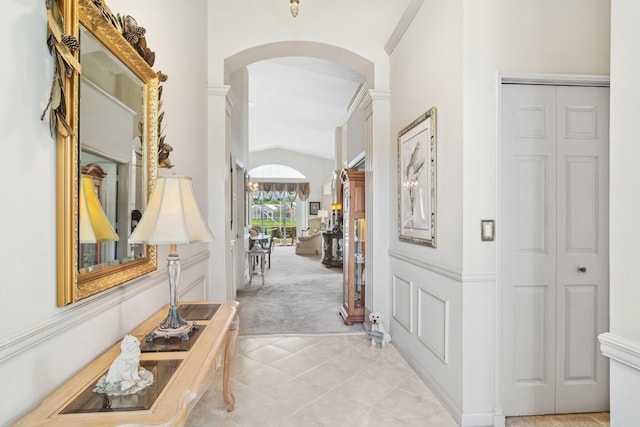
(417, 180)
(314, 207)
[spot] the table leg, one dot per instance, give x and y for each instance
(229, 356)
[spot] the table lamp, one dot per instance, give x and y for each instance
(323, 214)
(336, 208)
(94, 227)
(172, 217)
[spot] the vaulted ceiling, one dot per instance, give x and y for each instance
(296, 103)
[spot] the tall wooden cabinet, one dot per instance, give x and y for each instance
(354, 246)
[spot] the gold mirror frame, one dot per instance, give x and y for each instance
(73, 286)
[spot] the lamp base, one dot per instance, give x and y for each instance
(173, 326)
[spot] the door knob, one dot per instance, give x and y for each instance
(582, 269)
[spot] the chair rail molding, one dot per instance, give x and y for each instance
(620, 349)
(90, 307)
(441, 269)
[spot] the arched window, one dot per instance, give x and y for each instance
(276, 189)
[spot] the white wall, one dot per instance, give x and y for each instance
(502, 36)
(624, 204)
(49, 344)
(361, 26)
(459, 77)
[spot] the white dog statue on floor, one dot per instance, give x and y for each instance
(378, 333)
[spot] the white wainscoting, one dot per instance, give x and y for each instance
(426, 325)
(402, 302)
(443, 323)
(433, 324)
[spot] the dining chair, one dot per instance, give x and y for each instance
(257, 255)
(267, 250)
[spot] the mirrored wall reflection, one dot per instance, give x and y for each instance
(111, 115)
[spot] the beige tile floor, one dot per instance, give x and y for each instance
(333, 380)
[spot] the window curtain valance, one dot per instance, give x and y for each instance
(301, 189)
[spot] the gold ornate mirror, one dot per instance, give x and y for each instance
(111, 135)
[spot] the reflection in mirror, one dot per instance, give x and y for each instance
(111, 109)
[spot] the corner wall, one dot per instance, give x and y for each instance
(622, 343)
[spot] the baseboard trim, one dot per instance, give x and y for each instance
(447, 401)
(620, 349)
(478, 419)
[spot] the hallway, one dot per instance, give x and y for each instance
(334, 380)
(327, 379)
(299, 296)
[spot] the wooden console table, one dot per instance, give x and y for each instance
(183, 370)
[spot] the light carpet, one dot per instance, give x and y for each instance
(299, 296)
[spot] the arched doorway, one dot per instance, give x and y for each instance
(373, 134)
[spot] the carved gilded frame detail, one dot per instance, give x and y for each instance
(73, 286)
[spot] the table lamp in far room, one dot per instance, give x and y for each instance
(172, 217)
(323, 214)
(337, 215)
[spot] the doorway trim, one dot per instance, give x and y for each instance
(586, 80)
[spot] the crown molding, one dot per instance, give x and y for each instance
(403, 24)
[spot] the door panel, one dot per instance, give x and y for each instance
(528, 256)
(554, 258)
(583, 297)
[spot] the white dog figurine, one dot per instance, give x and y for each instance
(378, 332)
(125, 375)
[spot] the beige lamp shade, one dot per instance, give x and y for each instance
(94, 227)
(172, 215)
(323, 213)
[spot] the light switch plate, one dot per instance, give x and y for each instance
(487, 230)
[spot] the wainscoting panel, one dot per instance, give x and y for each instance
(402, 302)
(433, 324)
(426, 325)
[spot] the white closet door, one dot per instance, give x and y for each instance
(582, 376)
(554, 183)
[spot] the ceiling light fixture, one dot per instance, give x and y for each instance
(294, 7)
